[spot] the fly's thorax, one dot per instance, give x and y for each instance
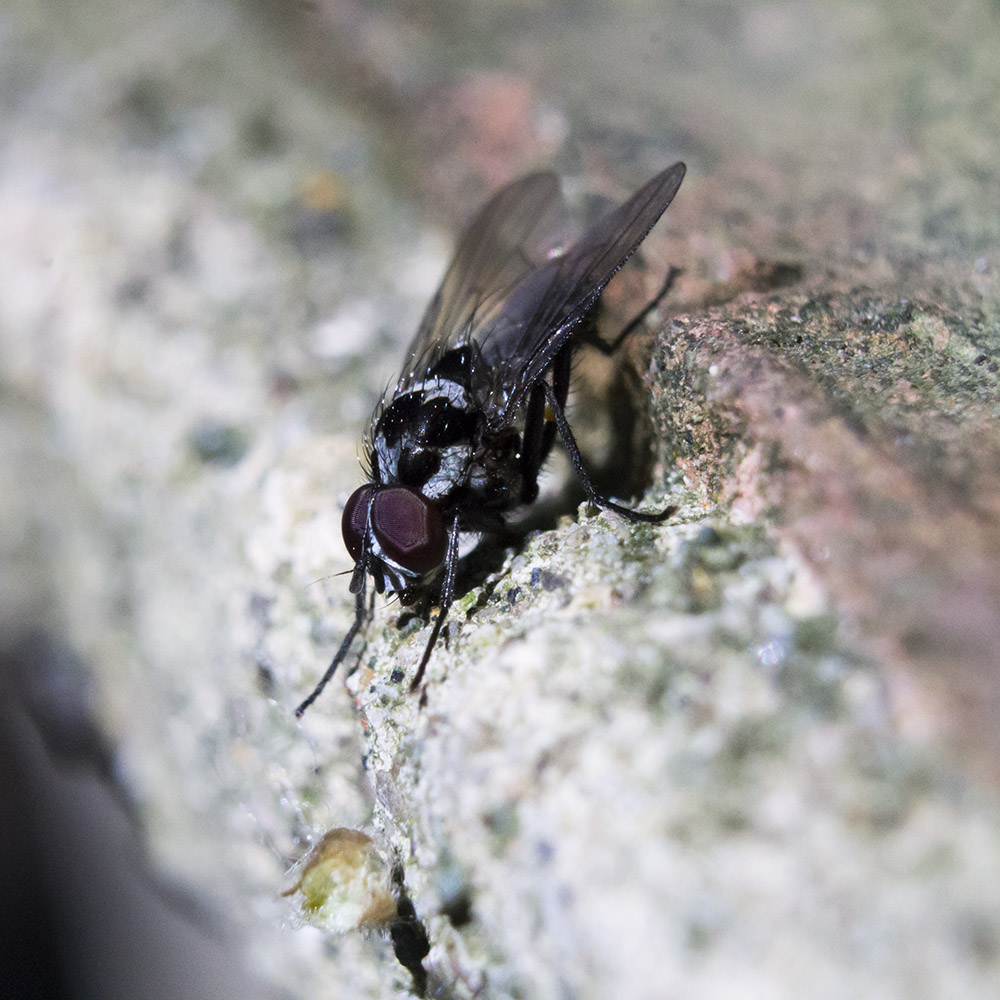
(425, 438)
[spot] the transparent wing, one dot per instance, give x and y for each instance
(541, 313)
(515, 298)
(506, 242)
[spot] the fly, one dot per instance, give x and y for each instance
(460, 439)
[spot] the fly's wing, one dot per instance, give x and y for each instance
(548, 303)
(505, 242)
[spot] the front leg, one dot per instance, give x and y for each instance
(359, 620)
(447, 596)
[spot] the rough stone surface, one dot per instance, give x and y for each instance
(753, 751)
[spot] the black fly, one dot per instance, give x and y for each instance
(461, 437)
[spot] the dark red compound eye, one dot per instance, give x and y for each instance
(355, 519)
(409, 528)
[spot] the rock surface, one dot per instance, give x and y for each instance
(754, 750)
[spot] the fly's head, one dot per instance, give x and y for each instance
(394, 533)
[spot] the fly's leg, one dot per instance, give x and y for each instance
(447, 596)
(539, 429)
(535, 442)
(574, 456)
(359, 619)
(609, 348)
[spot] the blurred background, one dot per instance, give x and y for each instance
(220, 222)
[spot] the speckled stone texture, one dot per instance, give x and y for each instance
(751, 752)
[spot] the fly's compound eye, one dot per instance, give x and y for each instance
(355, 519)
(409, 528)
